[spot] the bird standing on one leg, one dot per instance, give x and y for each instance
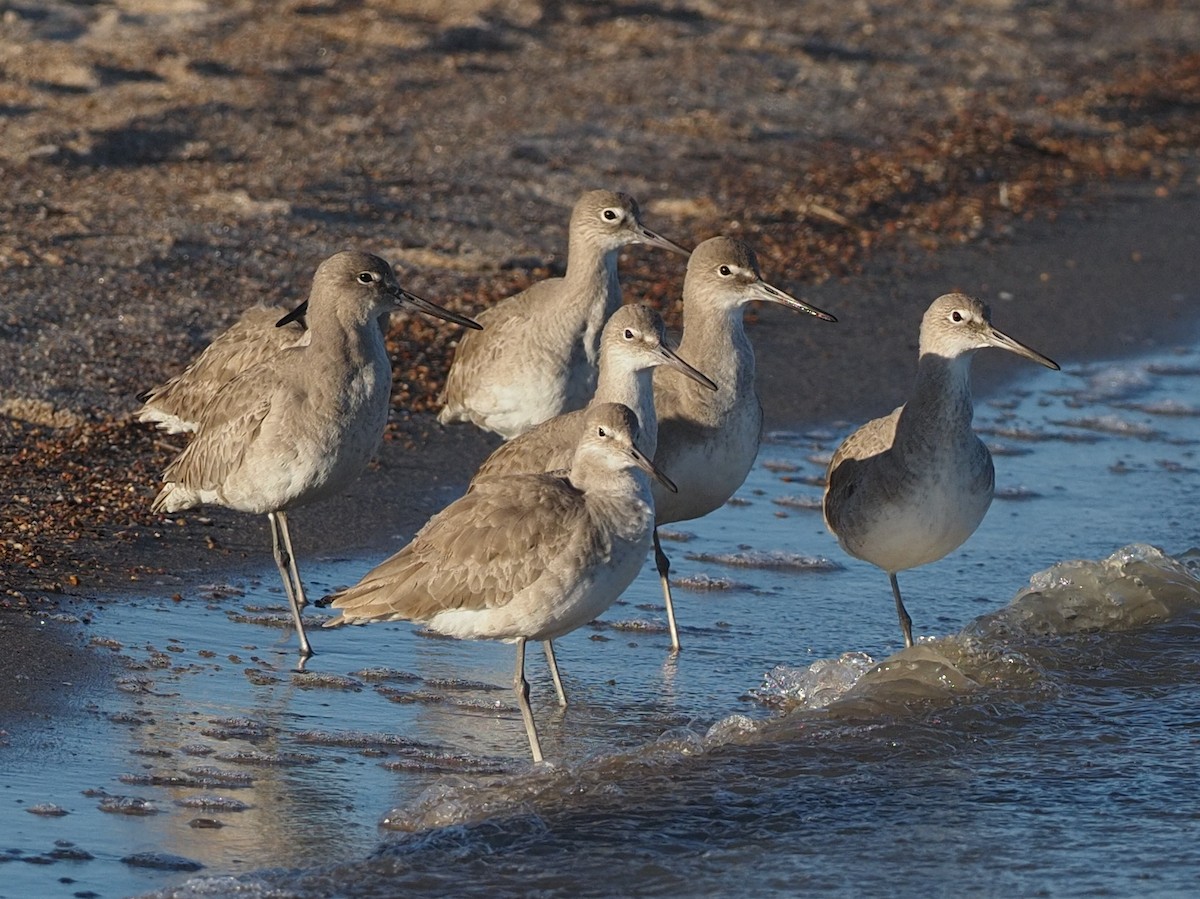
(908, 488)
(708, 440)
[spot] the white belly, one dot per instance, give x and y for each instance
(918, 528)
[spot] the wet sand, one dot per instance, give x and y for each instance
(156, 188)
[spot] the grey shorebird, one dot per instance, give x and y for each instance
(302, 423)
(708, 440)
(523, 557)
(537, 357)
(908, 488)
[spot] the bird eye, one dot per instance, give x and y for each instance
(628, 334)
(600, 431)
(366, 277)
(725, 271)
(611, 215)
(956, 316)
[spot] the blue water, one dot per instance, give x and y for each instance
(1042, 740)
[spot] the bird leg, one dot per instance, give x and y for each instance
(548, 645)
(905, 621)
(664, 569)
(521, 688)
(285, 561)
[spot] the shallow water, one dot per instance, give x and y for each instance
(1045, 745)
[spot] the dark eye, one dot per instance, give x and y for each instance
(600, 430)
(725, 271)
(366, 277)
(628, 334)
(956, 316)
(610, 215)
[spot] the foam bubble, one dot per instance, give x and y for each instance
(814, 687)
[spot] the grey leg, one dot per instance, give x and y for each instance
(548, 645)
(301, 599)
(901, 612)
(285, 562)
(521, 688)
(664, 569)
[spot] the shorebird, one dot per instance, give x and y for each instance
(303, 422)
(632, 346)
(524, 557)
(537, 357)
(708, 440)
(908, 488)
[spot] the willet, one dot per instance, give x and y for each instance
(523, 557)
(908, 488)
(632, 346)
(537, 357)
(305, 421)
(707, 441)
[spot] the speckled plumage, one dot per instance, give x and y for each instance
(260, 333)
(537, 356)
(176, 406)
(523, 557)
(907, 488)
(303, 422)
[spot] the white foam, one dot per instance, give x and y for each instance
(816, 686)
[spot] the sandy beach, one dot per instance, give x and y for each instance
(167, 164)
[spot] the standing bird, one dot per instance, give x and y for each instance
(633, 345)
(537, 357)
(524, 557)
(303, 422)
(908, 488)
(708, 440)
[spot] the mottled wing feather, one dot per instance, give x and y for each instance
(504, 334)
(548, 446)
(476, 554)
(233, 419)
(870, 440)
(249, 341)
(220, 447)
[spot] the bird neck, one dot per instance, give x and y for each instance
(717, 334)
(940, 410)
(591, 276)
(590, 294)
(620, 498)
(355, 331)
(633, 387)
